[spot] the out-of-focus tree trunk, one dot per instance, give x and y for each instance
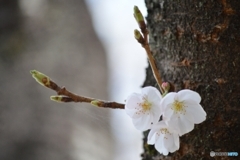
(196, 46)
(56, 38)
(10, 29)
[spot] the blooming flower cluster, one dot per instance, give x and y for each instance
(179, 112)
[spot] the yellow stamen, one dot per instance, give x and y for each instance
(178, 107)
(164, 131)
(146, 105)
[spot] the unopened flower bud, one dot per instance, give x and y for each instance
(95, 103)
(138, 36)
(165, 86)
(61, 99)
(40, 78)
(56, 98)
(139, 18)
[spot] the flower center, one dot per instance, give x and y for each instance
(146, 105)
(178, 107)
(164, 131)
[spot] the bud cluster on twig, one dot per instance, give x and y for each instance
(142, 38)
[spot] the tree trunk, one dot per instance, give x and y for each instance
(57, 38)
(196, 46)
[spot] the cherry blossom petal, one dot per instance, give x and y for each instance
(186, 94)
(151, 137)
(197, 112)
(132, 113)
(176, 141)
(151, 92)
(187, 126)
(143, 123)
(168, 142)
(159, 145)
(164, 138)
(181, 125)
(132, 105)
(131, 101)
(156, 118)
(156, 112)
(189, 116)
(167, 99)
(168, 113)
(144, 108)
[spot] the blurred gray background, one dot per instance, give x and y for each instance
(57, 37)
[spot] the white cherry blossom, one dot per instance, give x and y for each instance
(182, 110)
(144, 108)
(164, 138)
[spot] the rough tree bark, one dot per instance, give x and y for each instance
(196, 46)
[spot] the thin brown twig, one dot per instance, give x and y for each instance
(142, 38)
(151, 59)
(99, 103)
(156, 73)
(71, 97)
